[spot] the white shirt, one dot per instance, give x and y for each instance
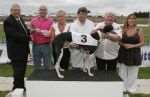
(19, 20)
(57, 30)
(87, 27)
(77, 56)
(107, 49)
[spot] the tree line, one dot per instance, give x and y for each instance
(142, 14)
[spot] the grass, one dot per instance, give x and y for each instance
(140, 95)
(139, 20)
(146, 31)
(144, 73)
(6, 70)
(2, 35)
(2, 94)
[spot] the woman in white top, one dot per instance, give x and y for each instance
(61, 27)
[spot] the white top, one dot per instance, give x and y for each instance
(77, 56)
(87, 27)
(107, 49)
(57, 31)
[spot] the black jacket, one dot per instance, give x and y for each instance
(17, 38)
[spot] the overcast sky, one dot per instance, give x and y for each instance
(96, 6)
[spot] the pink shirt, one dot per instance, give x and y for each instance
(42, 24)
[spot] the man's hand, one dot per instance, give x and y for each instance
(66, 44)
(35, 30)
(112, 37)
(73, 45)
(45, 33)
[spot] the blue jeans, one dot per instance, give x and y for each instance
(42, 56)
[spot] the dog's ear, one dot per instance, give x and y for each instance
(67, 36)
(95, 35)
(107, 28)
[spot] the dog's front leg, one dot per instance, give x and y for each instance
(57, 66)
(89, 65)
(89, 72)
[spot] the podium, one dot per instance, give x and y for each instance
(45, 83)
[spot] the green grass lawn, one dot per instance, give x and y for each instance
(2, 94)
(6, 71)
(139, 20)
(146, 31)
(2, 35)
(140, 95)
(144, 73)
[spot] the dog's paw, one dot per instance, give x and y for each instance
(61, 69)
(85, 70)
(91, 74)
(60, 76)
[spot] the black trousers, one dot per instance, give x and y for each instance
(19, 70)
(106, 64)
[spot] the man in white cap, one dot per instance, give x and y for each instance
(81, 25)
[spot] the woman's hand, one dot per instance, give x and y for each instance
(128, 46)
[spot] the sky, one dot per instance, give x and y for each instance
(97, 7)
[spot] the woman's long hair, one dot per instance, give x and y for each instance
(126, 24)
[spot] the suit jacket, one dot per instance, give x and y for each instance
(17, 38)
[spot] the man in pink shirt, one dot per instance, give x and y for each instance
(41, 36)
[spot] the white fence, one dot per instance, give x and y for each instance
(146, 56)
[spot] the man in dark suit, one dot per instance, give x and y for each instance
(17, 39)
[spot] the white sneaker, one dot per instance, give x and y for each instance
(125, 95)
(132, 90)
